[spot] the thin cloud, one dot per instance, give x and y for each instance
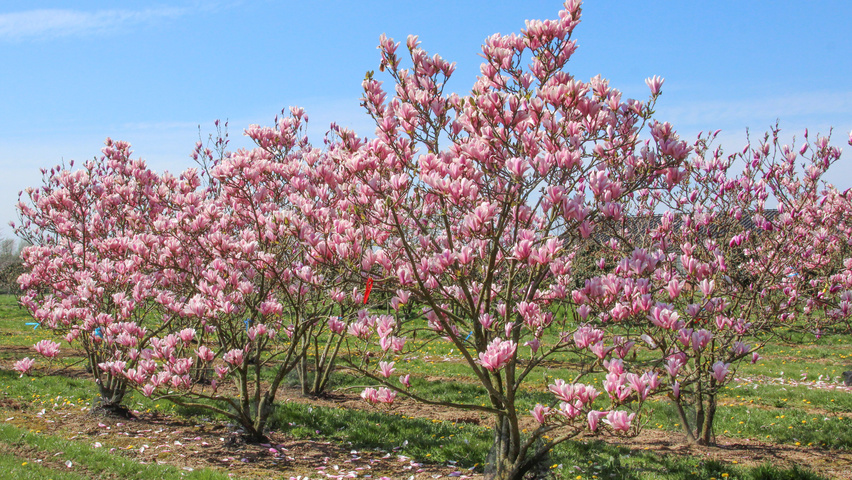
(789, 108)
(54, 23)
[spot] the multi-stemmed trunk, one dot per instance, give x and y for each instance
(700, 429)
(314, 379)
(511, 457)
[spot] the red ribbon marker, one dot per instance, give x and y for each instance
(367, 292)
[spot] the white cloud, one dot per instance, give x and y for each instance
(52, 23)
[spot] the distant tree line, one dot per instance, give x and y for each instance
(10, 265)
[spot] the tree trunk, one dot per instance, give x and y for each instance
(498, 465)
(707, 436)
(506, 461)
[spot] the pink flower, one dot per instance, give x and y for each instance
(619, 420)
(234, 357)
(258, 330)
(534, 345)
(517, 167)
(639, 385)
(405, 380)
(600, 350)
(360, 329)
(187, 334)
(336, 325)
(655, 83)
(539, 413)
(397, 344)
(385, 395)
(615, 366)
(498, 354)
(755, 357)
(205, 354)
(386, 369)
(684, 335)
(674, 287)
(586, 335)
(47, 348)
(24, 365)
(594, 416)
(664, 317)
(486, 320)
(707, 286)
(740, 348)
(148, 390)
(651, 379)
(700, 339)
(720, 370)
(382, 395)
(674, 364)
(572, 392)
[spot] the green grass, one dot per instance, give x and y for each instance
(84, 458)
(424, 439)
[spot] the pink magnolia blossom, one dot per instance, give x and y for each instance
(539, 413)
(260, 330)
(615, 366)
(586, 335)
(336, 325)
(619, 420)
(593, 417)
(405, 380)
(24, 365)
(235, 357)
(674, 364)
(534, 344)
(739, 349)
(674, 287)
(382, 395)
(707, 286)
(720, 371)
(205, 354)
(47, 348)
(486, 320)
(600, 350)
(386, 369)
(187, 335)
(655, 83)
(664, 316)
(497, 355)
(700, 339)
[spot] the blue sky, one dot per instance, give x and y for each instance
(151, 73)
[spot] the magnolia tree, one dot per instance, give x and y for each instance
(83, 279)
(249, 279)
(825, 243)
(706, 283)
(482, 232)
